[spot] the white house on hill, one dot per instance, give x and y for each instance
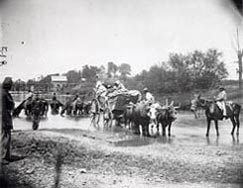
(58, 82)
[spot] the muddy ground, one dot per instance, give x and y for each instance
(69, 153)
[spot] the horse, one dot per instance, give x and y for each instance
(213, 112)
(55, 105)
(87, 107)
(78, 106)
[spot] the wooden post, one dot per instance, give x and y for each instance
(240, 54)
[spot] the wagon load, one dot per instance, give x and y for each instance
(117, 101)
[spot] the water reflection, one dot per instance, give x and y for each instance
(164, 139)
(235, 141)
(135, 141)
(210, 142)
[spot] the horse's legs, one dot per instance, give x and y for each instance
(216, 127)
(237, 120)
(234, 124)
(169, 128)
(163, 129)
(196, 114)
(208, 128)
(157, 128)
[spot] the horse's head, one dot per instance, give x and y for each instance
(204, 103)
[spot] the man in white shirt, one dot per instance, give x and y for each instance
(100, 92)
(149, 98)
(119, 86)
(221, 99)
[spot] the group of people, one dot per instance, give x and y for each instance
(106, 91)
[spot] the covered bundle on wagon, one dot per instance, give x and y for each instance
(117, 103)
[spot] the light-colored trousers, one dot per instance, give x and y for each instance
(222, 106)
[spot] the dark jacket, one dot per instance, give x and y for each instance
(7, 108)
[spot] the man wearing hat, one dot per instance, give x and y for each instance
(119, 86)
(149, 98)
(221, 99)
(7, 122)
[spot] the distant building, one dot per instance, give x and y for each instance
(58, 82)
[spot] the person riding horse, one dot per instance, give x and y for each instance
(221, 100)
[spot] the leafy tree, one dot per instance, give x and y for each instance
(73, 76)
(124, 69)
(90, 72)
(112, 69)
(183, 73)
(198, 70)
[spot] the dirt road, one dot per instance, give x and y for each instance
(72, 153)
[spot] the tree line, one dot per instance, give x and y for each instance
(183, 73)
(196, 70)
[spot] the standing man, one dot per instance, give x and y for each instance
(7, 122)
(100, 93)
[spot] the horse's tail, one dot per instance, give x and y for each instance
(236, 108)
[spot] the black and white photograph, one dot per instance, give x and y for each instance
(121, 93)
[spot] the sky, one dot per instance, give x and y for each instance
(56, 36)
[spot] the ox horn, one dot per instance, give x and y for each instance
(177, 107)
(172, 103)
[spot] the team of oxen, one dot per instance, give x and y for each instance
(134, 113)
(137, 115)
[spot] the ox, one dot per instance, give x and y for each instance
(141, 117)
(163, 115)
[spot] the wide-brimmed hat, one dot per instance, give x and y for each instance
(145, 89)
(221, 88)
